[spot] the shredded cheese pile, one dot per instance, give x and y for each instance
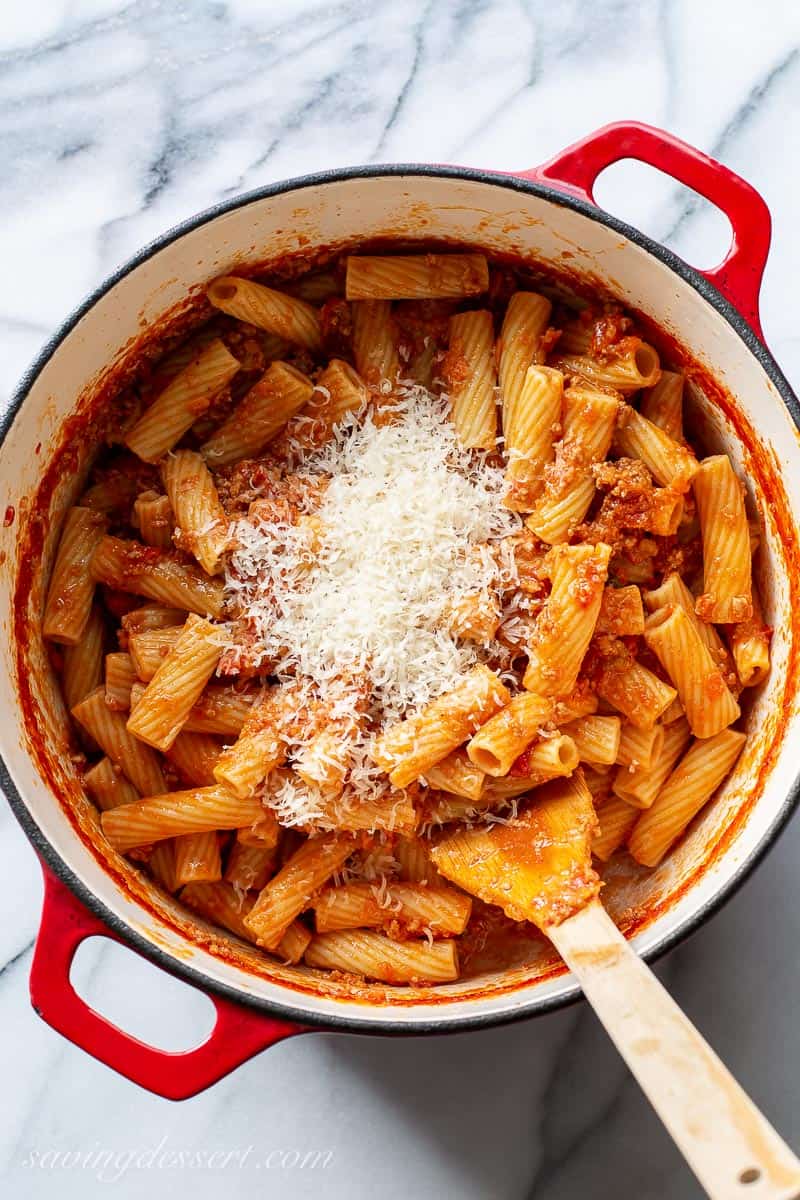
(408, 524)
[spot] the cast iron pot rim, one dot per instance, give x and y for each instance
(296, 1013)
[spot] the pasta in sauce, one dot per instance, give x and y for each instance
(387, 555)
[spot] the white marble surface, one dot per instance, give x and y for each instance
(118, 119)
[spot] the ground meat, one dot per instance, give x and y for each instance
(266, 480)
(336, 321)
(421, 323)
(608, 328)
(627, 502)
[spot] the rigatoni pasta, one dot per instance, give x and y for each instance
(706, 698)
(569, 486)
(727, 567)
(69, 597)
(670, 462)
(471, 376)
(280, 393)
(521, 345)
(691, 784)
(415, 276)
(529, 427)
(357, 673)
(563, 629)
(178, 683)
(287, 316)
(375, 344)
(160, 576)
(182, 402)
(194, 500)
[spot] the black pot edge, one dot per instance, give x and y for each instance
(296, 1013)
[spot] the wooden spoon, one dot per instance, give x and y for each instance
(537, 867)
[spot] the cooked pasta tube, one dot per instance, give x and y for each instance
(415, 276)
(597, 738)
(120, 678)
(663, 404)
(581, 702)
(153, 517)
(295, 885)
(157, 574)
(250, 867)
(220, 710)
(707, 701)
(108, 728)
(183, 400)
(287, 316)
(749, 643)
(151, 616)
(621, 612)
(674, 591)
(259, 748)
(634, 690)
(528, 432)
(413, 907)
(639, 786)
(197, 858)
(563, 629)
(634, 365)
(411, 855)
(71, 589)
(639, 748)
(520, 346)
(108, 787)
(393, 812)
(177, 684)
(198, 810)
(456, 774)
(149, 648)
(411, 747)
(470, 377)
(339, 390)
(475, 617)
(598, 781)
(323, 761)
(221, 904)
(194, 500)
(568, 484)
(83, 662)
(375, 344)
(280, 393)
(689, 787)
(551, 758)
(501, 739)
(673, 713)
(669, 462)
(616, 819)
(113, 495)
(727, 565)
(266, 832)
(194, 755)
(162, 864)
(316, 288)
(376, 956)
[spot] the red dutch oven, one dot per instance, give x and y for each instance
(546, 216)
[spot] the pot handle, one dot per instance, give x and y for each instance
(237, 1035)
(738, 276)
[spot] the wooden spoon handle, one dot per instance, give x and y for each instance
(731, 1147)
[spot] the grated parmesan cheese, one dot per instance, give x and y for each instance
(408, 523)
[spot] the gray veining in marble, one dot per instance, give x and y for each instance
(119, 119)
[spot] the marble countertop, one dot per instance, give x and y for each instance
(119, 118)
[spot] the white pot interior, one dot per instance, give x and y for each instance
(755, 429)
